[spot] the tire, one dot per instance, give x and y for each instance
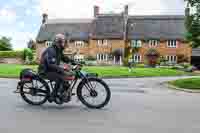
(26, 99)
(81, 98)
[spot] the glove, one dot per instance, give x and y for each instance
(79, 66)
(60, 70)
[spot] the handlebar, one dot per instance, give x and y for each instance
(75, 67)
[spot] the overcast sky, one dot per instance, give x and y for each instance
(21, 19)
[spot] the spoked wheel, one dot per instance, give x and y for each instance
(94, 93)
(35, 92)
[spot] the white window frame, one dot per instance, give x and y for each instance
(172, 43)
(171, 58)
(103, 42)
(102, 57)
(99, 42)
(48, 43)
(79, 57)
(153, 43)
(79, 43)
(136, 43)
(137, 58)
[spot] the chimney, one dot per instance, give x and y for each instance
(125, 14)
(44, 18)
(126, 10)
(96, 11)
(187, 10)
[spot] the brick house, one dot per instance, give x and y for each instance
(107, 37)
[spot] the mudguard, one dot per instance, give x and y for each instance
(89, 75)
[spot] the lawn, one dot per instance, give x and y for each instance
(7, 70)
(136, 72)
(191, 83)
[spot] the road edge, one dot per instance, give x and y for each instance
(170, 86)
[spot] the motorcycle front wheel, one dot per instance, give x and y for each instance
(94, 93)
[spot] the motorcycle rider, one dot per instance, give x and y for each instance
(50, 61)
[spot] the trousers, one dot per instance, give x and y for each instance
(59, 79)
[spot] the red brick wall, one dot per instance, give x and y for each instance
(164, 50)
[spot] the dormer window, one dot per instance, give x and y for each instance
(153, 43)
(102, 42)
(136, 43)
(79, 43)
(172, 43)
(48, 43)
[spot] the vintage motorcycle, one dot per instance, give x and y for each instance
(91, 90)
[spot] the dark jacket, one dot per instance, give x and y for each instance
(51, 58)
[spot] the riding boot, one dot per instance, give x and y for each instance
(60, 89)
(67, 93)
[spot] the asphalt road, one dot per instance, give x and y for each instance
(140, 105)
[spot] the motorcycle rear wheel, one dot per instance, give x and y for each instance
(34, 92)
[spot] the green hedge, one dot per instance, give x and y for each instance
(11, 54)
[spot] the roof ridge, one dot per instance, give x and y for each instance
(157, 16)
(69, 20)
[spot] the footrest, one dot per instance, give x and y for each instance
(16, 91)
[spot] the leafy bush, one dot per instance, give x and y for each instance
(90, 63)
(34, 62)
(191, 69)
(28, 56)
(177, 67)
(182, 58)
(185, 65)
(162, 61)
(11, 54)
(90, 58)
(82, 62)
(125, 61)
(140, 65)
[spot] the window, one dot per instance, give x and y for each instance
(99, 42)
(153, 43)
(102, 57)
(172, 43)
(48, 43)
(105, 42)
(171, 58)
(137, 58)
(136, 43)
(102, 42)
(79, 43)
(79, 57)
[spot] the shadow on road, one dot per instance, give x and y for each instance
(59, 108)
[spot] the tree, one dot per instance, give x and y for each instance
(192, 22)
(5, 44)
